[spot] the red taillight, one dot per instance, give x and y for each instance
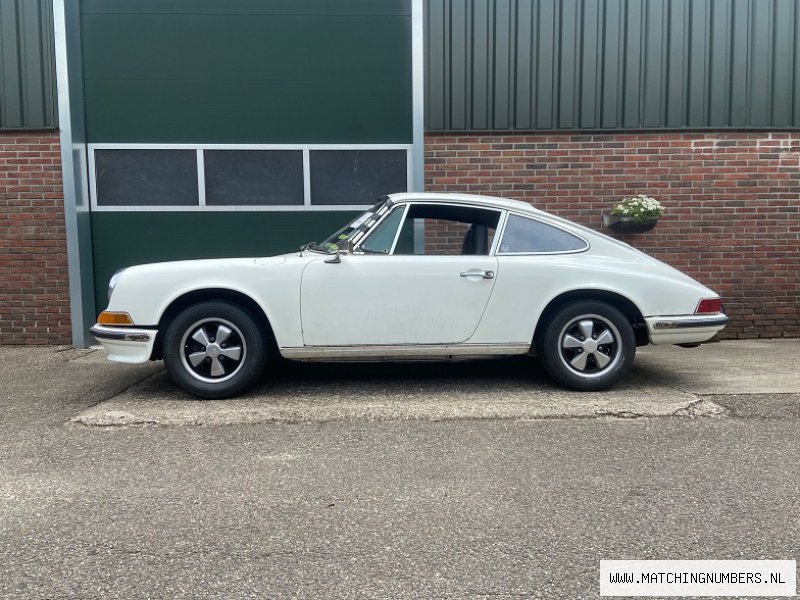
(709, 305)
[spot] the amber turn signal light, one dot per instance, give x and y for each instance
(114, 318)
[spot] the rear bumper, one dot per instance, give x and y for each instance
(126, 344)
(685, 329)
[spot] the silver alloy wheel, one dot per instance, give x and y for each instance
(213, 350)
(589, 345)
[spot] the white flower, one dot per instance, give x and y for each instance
(639, 207)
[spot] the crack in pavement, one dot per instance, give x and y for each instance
(110, 419)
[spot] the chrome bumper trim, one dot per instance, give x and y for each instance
(690, 322)
(113, 333)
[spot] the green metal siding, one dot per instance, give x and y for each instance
(612, 64)
(27, 65)
(122, 239)
(247, 71)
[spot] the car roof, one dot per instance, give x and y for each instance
(513, 205)
(472, 199)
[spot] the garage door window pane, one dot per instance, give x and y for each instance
(356, 176)
(253, 177)
(146, 177)
(527, 235)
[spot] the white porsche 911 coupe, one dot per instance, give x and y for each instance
(417, 276)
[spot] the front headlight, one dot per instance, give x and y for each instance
(112, 283)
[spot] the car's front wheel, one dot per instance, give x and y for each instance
(587, 346)
(214, 350)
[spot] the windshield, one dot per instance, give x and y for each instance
(353, 231)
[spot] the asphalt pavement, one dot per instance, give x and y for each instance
(462, 480)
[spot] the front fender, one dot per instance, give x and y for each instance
(146, 292)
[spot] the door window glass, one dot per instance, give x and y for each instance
(447, 230)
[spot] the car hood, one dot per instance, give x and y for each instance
(202, 264)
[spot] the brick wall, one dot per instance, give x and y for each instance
(732, 218)
(731, 200)
(34, 292)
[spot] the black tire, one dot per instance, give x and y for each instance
(211, 370)
(583, 362)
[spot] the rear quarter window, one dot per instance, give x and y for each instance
(522, 235)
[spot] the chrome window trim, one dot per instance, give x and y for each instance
(201, 205)
(499, 235)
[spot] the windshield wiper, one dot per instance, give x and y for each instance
(315, 247)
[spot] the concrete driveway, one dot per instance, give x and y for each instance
(468, 480)
(666, 381)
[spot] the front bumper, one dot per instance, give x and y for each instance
(685, 329)
(126, 344)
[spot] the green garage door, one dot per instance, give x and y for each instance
(221, 128)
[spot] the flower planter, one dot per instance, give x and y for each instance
(627, 224)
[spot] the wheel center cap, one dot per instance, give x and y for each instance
(590, 345)
(213, 350)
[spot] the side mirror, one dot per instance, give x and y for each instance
(349, 248)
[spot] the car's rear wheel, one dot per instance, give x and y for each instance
(214, 350)
(587, 346)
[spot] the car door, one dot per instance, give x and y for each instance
(392, 299)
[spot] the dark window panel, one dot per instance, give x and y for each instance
(253, 177)
(341, 177)
(146, 177)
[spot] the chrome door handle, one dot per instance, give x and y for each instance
(478, 273)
